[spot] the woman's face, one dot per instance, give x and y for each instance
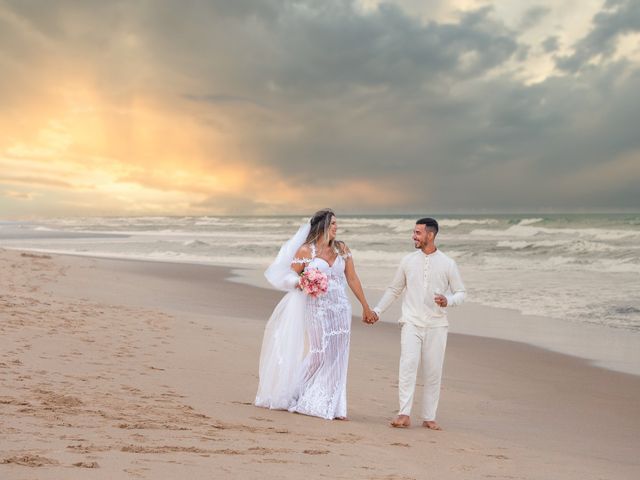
(333, 228)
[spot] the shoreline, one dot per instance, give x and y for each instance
(614, 349)
(148, 369)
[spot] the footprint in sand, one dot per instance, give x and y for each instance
(315, 452)
(29, 460)
(345, 438)
(498, 457)
(261, 419)
(86, 465)
(227, 451)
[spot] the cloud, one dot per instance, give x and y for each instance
(533, 16)
(551, 44)
(284, 106)
(35, 181)
(19, 195)
(617, 18)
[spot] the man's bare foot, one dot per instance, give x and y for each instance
(401, 421)
(343, 419)
(431, 425)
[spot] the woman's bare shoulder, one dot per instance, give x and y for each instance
(304, 250)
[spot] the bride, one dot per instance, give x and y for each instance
(311, 380)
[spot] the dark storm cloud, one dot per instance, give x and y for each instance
(324, 92)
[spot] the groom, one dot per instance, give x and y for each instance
(432, 283)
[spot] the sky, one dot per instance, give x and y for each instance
(227, 107)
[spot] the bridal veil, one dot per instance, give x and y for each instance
(283, 345)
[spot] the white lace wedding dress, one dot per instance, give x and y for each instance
(305, 347)
(321, 386)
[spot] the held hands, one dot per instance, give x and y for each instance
(369, 316)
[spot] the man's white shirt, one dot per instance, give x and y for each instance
(423, 276)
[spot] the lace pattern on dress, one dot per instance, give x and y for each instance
(306, 260)
(301, 260)
(321, 391)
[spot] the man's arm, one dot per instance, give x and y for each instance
(458, 292)
(393, 291)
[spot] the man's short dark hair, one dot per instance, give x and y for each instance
(429, 224)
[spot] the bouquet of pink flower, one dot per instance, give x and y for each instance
(313, 282)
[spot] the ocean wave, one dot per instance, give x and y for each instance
(573, 246)
(195, 243)
(446, 222)
(407, 224)
(207, 221)
(171, 233)
(513, 231)
(530, 221)
(377, 257)
(498, 263)
(395, 224)
(524, 231)
(515, 244)
(562, 308)
(507, 261)
(558, 263)
(373, 258)
(171, 256)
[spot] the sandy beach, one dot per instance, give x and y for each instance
(129, 369)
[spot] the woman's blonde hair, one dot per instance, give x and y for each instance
(320, 223)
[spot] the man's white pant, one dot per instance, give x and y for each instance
(428, 344)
